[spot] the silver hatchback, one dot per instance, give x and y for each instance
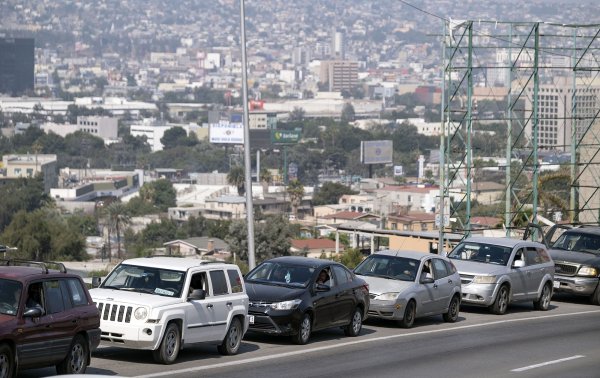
(405, 285)
(497, 271)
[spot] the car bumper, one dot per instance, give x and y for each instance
(575, 285)
(275, 323)
(140, 336)
(479, 294)
(386, 310)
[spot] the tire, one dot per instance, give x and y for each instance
(453, 309)
(233, 339)
(353, 329)
(7, 362)
(76, 360)
(501, 303)
(168, 349)
(409, 315)
(543, 302)
(595, 298)
(304, 330)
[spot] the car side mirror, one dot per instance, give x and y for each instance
(197, 294)
(322, 287)
(32, 312)
(518, 264)
(96, 281)
(427, 280)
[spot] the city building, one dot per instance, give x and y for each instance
(16, 66)
(15, 166)
(154, 130)
(339, 74)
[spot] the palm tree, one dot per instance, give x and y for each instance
(550, 186)
(265, 179)
(118, 217)
(295, 190)
(237, 178)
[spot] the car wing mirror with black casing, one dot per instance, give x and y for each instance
(197, 294)
(33, 312)
(322, 287)
(96, 281)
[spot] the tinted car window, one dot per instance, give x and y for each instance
(54, 297)
(400, 268)
(10, 292)
(235, 281)
(543, 254)
(219, 283)
(200, 282)
(439, 269)
(532, 257)
(481, 252)
(282, 273)
(76, 292)
(341, 276)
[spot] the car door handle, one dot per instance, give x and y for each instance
(229, 304)
(209, 305)
(450, 281)
(435, 286)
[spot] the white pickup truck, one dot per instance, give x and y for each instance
(164, 303)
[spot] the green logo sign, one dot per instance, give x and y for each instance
(285, 136)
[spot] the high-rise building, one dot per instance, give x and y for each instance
(16, 65)
(340, 74)
(337, 45)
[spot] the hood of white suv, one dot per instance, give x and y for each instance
(479, 268)
(132, 298)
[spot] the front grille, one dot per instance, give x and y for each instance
(263, 326)
(114, 312)
(565, 269)
(256, 313)
(466, 279)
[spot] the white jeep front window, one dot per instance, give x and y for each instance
(146, 280)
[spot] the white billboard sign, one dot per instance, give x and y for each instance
(226, 132)
(398, 170)
(376, 151)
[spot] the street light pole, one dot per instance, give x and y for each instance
(247, 165)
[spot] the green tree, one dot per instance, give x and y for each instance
(272, 238)
(295, 190)
(351, 258)
(176, 136)
(348, 114)
(117, 217)
(21, 194)
(237, 178)
(297, 114)
(265, 178)
(196, 226)
(330, 193)
(160, 194)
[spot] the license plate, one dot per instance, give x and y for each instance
(251, 319)
(556, 284)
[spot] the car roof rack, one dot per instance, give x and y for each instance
(42, 265)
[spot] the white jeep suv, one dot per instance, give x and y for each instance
(164, 303)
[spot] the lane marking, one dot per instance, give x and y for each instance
(354, 342)
(547, 363)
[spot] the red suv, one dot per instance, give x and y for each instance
(47, 318)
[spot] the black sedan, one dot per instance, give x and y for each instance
(297, 295)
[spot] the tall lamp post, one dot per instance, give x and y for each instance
(247, 166)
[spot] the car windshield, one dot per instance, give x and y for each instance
(282, 274)
(574, 241)
(145, 280)
(482, 252)
(394, 267)
(10, 293)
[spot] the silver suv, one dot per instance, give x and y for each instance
(163, 303)
(497, 271)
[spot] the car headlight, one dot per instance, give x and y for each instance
(484, 279)
(140, 313)
(287, 305)
(587, 271)
(387, 296)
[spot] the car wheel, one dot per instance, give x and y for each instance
(169, 347)
(543, 302)
(233, 338)
(453, 309)
(303, 331)
(353, 329)
(595, 299)
(501, 303)
(7, 362)
(409, 315)
(76, 360)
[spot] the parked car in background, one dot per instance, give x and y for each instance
(405, 285)
(47, 318)
(296, 296)
(576, 255)
(163, 303)
(495, 272)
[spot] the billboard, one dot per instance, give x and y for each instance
(398, 170)
(376, 151)
(226, 132)
(285, 136)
